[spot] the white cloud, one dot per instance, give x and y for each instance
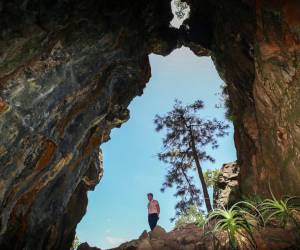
(114, 241)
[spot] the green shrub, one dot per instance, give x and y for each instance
(211, 177)
(193, 215)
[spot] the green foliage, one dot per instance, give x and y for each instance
(226, 103)
(193, 215)
(75, 243)
(186, 138)
(283, 211)
(211, 177)
(236, 221)
(229, 115)
(239, 221)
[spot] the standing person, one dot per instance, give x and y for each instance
(153, 211)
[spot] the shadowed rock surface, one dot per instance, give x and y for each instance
(69, 69)
(86, 246)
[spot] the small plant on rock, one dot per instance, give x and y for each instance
(75, 243)
(284, 211)
(237, 222)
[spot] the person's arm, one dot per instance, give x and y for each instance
(158, 208)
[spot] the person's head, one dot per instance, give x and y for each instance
(150, 196)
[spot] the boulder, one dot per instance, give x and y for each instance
(86, 246)
(160, 244)
(157, 232)
(144, 235)
(144, 245)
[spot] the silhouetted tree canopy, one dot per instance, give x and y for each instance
(186, 137)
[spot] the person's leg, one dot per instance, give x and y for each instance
(150, 221)
(155, 220)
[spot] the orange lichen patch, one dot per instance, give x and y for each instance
(3, 106)
(268, 50)
(49, 148)
(59, 166)
(27, 199)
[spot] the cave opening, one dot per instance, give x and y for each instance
(69, 70)
(117, 208)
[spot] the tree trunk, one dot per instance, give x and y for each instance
(200, 173)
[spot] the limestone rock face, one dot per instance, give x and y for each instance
(226, 189)
(69, 69)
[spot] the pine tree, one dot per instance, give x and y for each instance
(187, 136)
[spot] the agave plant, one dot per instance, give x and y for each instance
(237, 222)
(284, 210)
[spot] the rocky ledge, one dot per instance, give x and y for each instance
(191, 237)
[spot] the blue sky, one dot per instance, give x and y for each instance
(117, 209)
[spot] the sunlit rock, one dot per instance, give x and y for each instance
(226, 188)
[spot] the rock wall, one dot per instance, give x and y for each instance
(226, 188)
(276, 93)
(69, 69)
(255, 46)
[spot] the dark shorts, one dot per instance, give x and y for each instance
(152, 219)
